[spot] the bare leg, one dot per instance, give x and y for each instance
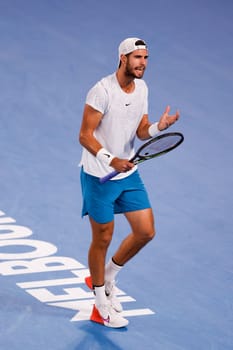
(103, 311)
(101, 238)
(142, 225)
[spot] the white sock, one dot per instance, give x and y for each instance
(111, 271)
(100, 296)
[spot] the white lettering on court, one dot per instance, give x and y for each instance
(20, 255)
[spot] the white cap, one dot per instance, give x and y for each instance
(131, 44)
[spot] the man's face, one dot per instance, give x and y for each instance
(136, 63)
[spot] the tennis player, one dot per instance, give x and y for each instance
(115, 113)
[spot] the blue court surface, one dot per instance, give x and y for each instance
(178, 292)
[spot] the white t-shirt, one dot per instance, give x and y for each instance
(122, 113)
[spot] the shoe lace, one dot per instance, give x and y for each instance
(110, 288)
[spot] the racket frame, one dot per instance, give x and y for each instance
(157, 154)
(137, 159)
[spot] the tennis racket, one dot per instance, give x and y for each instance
(155, 147)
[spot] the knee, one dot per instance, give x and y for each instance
(104, 241)
(146, 236)
(150, 234)
(102, 238)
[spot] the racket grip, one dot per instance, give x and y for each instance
(108, 177)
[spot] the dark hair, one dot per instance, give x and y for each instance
(140, 42)
(137, 43)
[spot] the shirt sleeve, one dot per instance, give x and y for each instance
(145, 101)
(97, 98)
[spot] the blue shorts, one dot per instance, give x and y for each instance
(102, 201)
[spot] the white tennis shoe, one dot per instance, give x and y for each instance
(111, 293)
(107, 316)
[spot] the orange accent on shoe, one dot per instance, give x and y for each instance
(88, 281)
(95, 316)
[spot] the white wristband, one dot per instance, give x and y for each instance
(153, 129)
(104, 156)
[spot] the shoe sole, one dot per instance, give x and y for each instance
(97, 318)
(88, 281)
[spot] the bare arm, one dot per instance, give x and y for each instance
(165, 121)
(91, 120)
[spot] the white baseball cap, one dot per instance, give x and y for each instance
(131, 44)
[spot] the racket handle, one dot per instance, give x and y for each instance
(108, 177)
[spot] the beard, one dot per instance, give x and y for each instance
(136, 72)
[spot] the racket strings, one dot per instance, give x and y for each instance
(161, 145)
